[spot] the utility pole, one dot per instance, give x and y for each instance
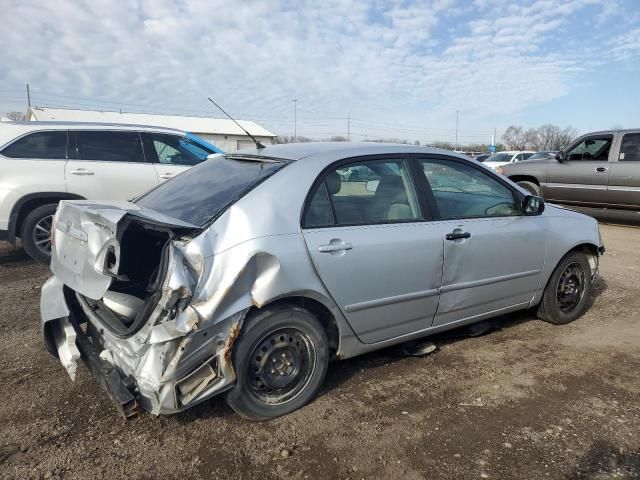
(457, 112)
(348, 126)
(28, 97)
(295, 120)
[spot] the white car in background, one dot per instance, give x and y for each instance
(42, 163)
(510, 156)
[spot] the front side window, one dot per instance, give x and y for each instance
(175, 150)
(46, 145)
(462, 191)
(630, 148)
(109, 146)
(592, 148)
(376, 191)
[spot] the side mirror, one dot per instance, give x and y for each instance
(532, 205)
(561, 156)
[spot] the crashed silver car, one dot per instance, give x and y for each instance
(248, 273)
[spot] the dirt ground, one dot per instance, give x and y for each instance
(528, 401)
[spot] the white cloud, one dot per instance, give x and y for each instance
(380, 61)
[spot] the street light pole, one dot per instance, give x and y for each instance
(295, 120)
(457, 112)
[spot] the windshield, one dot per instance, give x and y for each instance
(203, 192)
(500, 157)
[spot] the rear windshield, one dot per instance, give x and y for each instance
(203, 192)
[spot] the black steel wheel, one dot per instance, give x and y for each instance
(36, 232)
(280, 360)
(281, 365)
(566, 296)
(570, 288)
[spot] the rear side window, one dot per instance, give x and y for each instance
(47, 145)
(108, 146)
(630, 149)
(174, 149)
(375, 191)
(203, 192)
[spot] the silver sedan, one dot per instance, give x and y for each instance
(248, 273)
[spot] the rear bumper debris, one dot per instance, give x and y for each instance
(163, 374)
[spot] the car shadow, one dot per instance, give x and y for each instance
(604, 460)
(10, 255)
(343, 371)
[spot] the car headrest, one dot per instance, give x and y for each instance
(333, 183)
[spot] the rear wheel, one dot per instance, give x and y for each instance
(280, 360)
(566, 296)
(36, 232)
(531, 187)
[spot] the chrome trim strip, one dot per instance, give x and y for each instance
(624, 188)
(574, 185)
(381, 302)
(487, 281)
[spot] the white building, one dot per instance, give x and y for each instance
(221, 132)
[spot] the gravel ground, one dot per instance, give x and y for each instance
(529, 400)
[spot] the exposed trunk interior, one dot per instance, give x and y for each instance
(134, 293)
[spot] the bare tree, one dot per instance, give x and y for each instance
(338, 138)
(515, 138)
(552, 137)
(545, 137)
(290, 139)
(16, 116)
(444, 145)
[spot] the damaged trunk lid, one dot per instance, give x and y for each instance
(95, 244)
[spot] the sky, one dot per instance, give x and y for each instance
(374, 69)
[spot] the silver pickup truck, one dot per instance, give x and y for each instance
(598, 170)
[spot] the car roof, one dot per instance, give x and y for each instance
(309, 150)
(9, 131)
(14, 129)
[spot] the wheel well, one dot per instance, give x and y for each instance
(27, 205)
(524, 178)
(591, 251)
(322, 313)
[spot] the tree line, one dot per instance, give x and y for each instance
(545, 137)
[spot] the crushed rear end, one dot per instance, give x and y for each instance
(121, 300)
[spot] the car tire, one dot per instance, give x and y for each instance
(33, 235)
(292, 343)
(530, 187)
(559, 305)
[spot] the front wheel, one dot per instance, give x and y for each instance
(280, 360)
(566, 296)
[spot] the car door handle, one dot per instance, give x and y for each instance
(335, 247)
(457, 235)
(81, 171)
(601, 169)
(166, 176)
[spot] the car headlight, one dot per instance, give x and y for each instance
(499, 170)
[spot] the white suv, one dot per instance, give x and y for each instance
(42, 163)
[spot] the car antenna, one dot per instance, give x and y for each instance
(255, 140)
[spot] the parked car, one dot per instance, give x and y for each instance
(600, 169)
(246, 274)
(543, 155)
(42, 163)
(503, 158)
